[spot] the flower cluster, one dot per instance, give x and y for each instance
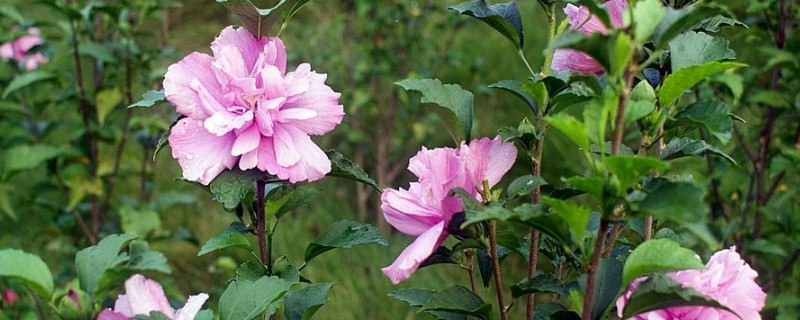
(425, 209)
(726, 279)
(143, 295)
(20, 49)
(242, 107)
(569, 59)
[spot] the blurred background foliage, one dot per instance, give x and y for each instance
(364, 46)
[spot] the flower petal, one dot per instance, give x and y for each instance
(568, 59)
(413, 255)
(406, 212)
(192, 86)
(246, 141)
(489, 160)
(313, 165)
(440, 170)
(201, 154)
(248, 45)
(286, 152)
(319, 98)
(192, 307)
(222, 122)
(145, 295)
(107, 314)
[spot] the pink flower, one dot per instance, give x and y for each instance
(726, 279)
(569, 59)
(425, 209)
(10, 296)
(20, 49)
(241, 106)
(143, 295)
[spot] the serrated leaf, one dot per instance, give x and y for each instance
(456, 104)
(143, 259)
(515, 87)
(28, 268)
(524, 185)
(345, 168)
(343, 234)
(696, 48)
(714, 23)
(660, 292)
(150, 98)
(225, 240)
(257, 21)
(138, 222)
(658, 255)
(646, 14)
(417, 297)
(713, 115)
(245, 299)
(543, 283)
(676, 199)
(303, 303)
(676, 21)
(231, 186)
(576, 216)
(574, 129)
(298, 197)
(503, 17)
(629, 170)
(92, 262)
(685, 146)
(26, 79)
(682, 79)
(460, 300)
(532, 216)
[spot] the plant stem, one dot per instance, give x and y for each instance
(551, 34)
(84, 228)
(468, 254)
(591, 270)
(498, 281)
(29, 116)
(261, 229)
(90, 142)
(783, 270)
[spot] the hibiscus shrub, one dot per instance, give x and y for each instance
(637, 89)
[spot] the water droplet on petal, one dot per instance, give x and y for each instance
(189, 156)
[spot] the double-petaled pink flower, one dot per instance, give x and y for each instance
(425, 209)
(144, 295)
(726, 279)
(242, 107)
(569, 59)
(19, 49)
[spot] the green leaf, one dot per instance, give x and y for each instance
(608, 285)
(455, 101)
(245, 299)
(458, 299)
(515, 87)
(503, 17)
(28, 268)
(231, 186)
(26, 157)
(26, 79)
(225, 240)
(97, 51)
(642, 102)
(343, 234)
(298, 197)
(251, 271)
(630, 170)
(138, 222)
(571, 127)
(696, 48)
(658, 255)
(257, 21)
(537, 90)
(660, 292)
(591, 185)
(770, 98)
(345, 168)
(10, 11)
(106, 101)
(532, 216)
(685, 146)
(142, 258)
(565, 100)
(303, 303)
(417, 297)
(154, 315)
(682, 79)
(576, 216)
(150, 98)
(676, 21)
(676, 199)
(524, 185)
(543, 283)
(714, 23)
(5, 201)
(92, 262)
(713, 115)
(646, 14)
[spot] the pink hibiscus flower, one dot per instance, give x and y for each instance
(143, 295)
(726, 279)
(241, 106)
(569, 59)
(425, 209)
(20, 49)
